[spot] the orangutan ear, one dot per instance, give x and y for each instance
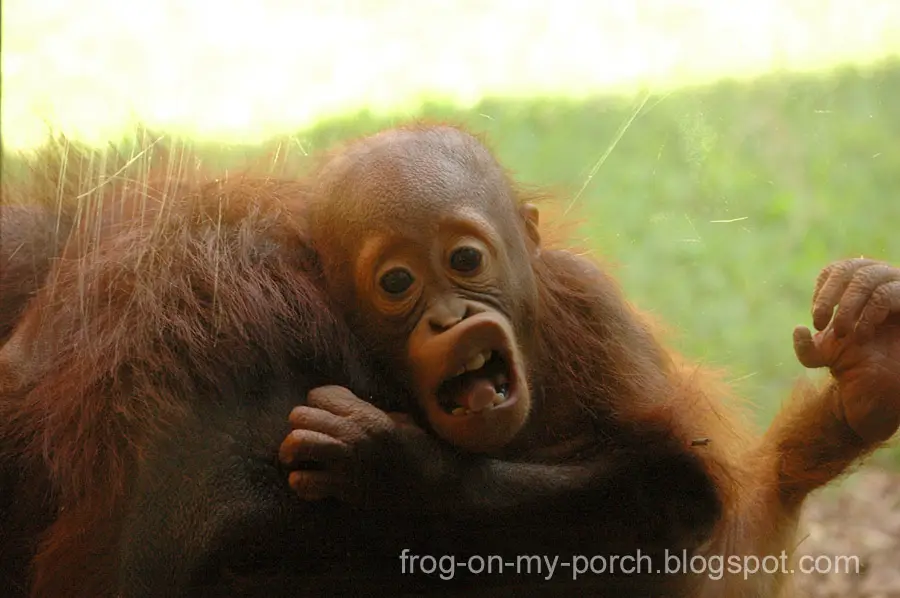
(531, 216)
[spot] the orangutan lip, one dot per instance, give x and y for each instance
(489, 365)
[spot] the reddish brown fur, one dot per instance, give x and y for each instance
(181, 287)
(603, 382)
(171, 293)
(762, 481)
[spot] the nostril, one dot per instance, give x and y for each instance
(446, 314)
(440, 324)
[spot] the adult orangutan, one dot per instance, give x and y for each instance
(144, 390)
(533, 356)
(147, 385)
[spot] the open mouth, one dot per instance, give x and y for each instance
(482, 382)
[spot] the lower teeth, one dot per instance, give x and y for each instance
(499, 399)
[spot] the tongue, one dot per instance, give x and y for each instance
(478, 395)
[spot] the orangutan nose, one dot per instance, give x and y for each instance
(447, 313)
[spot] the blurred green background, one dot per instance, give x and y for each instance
(719, 205)
(716, 154)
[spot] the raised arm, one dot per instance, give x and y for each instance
(823, 430)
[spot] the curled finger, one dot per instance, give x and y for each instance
(339, 400)
(344, 403)
(308, 445)
(884, 302)
(857, 295)
(806, 349)
(319, 420)
(832, 284)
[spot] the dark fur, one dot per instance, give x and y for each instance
(197, 325)
(147, 386)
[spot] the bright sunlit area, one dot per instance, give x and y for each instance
(714, 154)
(248, 69)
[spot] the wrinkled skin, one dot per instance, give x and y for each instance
(407, 200)
(141, 422)
(860, 344)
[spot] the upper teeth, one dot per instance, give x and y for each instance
(475, 362)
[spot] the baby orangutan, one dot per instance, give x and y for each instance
(571, 429)
(435, 273)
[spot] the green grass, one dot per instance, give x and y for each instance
(241, 69)
(806, 168)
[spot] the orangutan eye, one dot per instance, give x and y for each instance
(465, 259)
(396, 281)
